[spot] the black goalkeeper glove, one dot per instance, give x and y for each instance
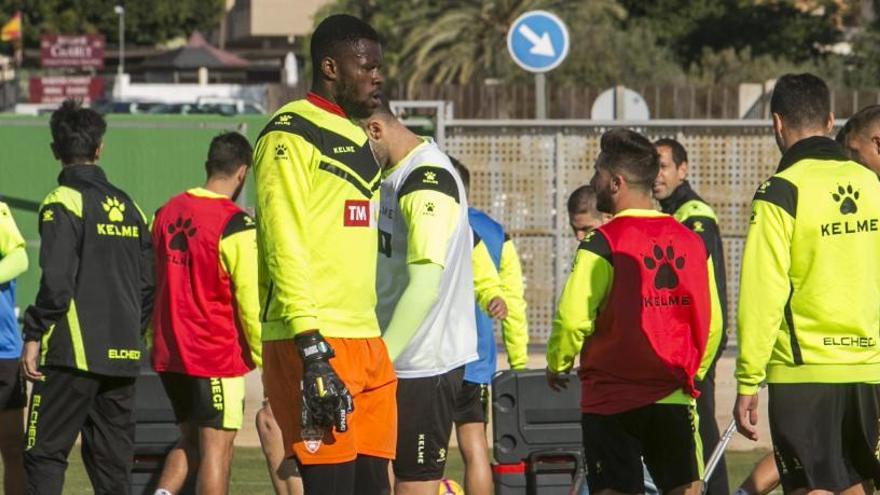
(326, 402)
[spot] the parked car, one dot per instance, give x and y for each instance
(123, 106)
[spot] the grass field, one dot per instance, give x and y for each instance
(249, 471)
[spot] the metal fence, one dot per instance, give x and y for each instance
(522, 173)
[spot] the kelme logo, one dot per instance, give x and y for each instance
(665, 263)
(846, 197)
(114, 209)
(179, 232)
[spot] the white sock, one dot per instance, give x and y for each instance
(162, 491)
(739, 491)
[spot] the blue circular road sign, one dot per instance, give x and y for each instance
(538, 41)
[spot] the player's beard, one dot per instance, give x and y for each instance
(237, 192)
(604, 203)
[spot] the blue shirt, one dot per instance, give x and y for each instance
(491, 233)
(10, 333)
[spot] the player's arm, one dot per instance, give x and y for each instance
(284, 165)
(584, 292)
(238, 257)
(514, 328)
(61, 230)
(716, 323)
(147, 271)
(13, 256)
(764, 282)
(431, 212)
(487, 282)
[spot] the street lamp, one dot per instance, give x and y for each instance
(120, 11)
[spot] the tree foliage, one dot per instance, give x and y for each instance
(147, 22)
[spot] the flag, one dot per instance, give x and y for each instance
(11, 31)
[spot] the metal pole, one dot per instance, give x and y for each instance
(540, 96)
(120, 11)
(715, 458)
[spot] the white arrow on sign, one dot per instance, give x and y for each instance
(541, 45)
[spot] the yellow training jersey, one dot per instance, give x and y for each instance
(317, 184)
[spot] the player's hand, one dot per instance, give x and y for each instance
(29, 357)
(497, 308)
(557, 381)
(745, 411)
(326, 402)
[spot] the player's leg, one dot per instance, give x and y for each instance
(861, 435)
(108, 436)
(763, 478)
(425, 408)
(673, 450)
(182, 460)
(215, 447)
(709, 434)
(58, 408)
(13, 399)
(375, 417)
(283, 470)
(219, 414)
(328, 479)
(471, 414)
(613, 454)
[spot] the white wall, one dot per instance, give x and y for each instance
(185, 93)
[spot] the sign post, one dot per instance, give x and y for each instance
(538, 42)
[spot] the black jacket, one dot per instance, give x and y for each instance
(96, 290)
(689, 208)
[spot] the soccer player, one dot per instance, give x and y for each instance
(677, 198)
(13, 262)
(494, 258)
(639, 366)
(860, 137)
(583, 216)
(326, 371)
(811, 338)
(83, 334)
(426, 295)
(206, 328)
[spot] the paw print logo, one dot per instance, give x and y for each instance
(114, 208)
(847, 198)
(179, 232)
(665, 263)
(280, 151)
(430, 177)
(429, 208)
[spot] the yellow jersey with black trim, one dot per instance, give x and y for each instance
(810, 279)
(423, 219)
(317, 185)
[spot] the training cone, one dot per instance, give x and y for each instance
(449, 487)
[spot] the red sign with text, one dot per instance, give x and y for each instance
(55, 89)
(80, 51)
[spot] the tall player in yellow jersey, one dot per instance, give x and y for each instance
(326, 371)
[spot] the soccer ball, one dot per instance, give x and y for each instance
(449, 487)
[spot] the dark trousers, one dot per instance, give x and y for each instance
(70, 402)
(718, 484)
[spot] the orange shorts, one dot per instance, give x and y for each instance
(364, 368)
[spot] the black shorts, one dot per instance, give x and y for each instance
(13, 394)
(824, 434)
(212, 402)
(472, 404)
(665, 435)
(424, 411)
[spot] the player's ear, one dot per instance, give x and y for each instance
(374, 129)
(99, 151)
(329, 68)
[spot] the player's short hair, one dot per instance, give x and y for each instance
(802, 100)
(227, 152)
(77, 132)
(583, 200)
(863, 121)
(629, 154)
(463, 172)
(679, 154)
(335, 32)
